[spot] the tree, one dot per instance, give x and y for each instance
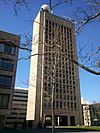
(88, 57)
(81, 21)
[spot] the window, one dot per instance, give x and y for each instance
(71, 92)
(7, 48)
(5, 80)
(71, 105)
(56, 90)
(64, 91)
(22, 100)
(56, 95)
(71, 98)
(64, 104)
(6, 64)
(4, 100)
(60, 104)
(60, 96)
(68, 97)
(68, 105)
(75, 105)
(57, 105)
(2, 47)
(64, 97)
(74, 97)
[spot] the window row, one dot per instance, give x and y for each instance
(61, 105)
(4, 100)
(8, 48)
(66, 97)
(62, 27)
(6, 64)
(5, 80)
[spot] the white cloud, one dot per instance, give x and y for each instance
(84, 101)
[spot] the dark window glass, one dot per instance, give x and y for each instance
(5, 81)
(71, 105)
(74, 97)
(2, 47)
(60, 104)
(6, 64)
(57, 105)
(56, 90)
(68, 97)
(22, 100)
(4, 100)
(68, 104)
(56, 95)
(7, 48)
(75, 105)
(20, 96)
(71, 98)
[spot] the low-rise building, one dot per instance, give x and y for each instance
(86, 115)
(17, 118)
(90, 113)
(95, 114)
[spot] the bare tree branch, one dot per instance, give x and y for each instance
(18, 3)
(90, 18)
(59, 2)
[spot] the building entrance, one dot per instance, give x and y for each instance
(59, 120)
(72, 120)
(63, 121)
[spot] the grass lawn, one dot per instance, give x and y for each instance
(91, 128)
(82, 128)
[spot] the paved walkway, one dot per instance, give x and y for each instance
(63, 130)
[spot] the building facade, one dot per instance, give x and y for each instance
(17, 118)
(86, 115)
(52, 72)
(95, 114)
(8, 64)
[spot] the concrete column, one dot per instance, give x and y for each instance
(76, 121)
(68, 120)
(43, 120)
(58, 121)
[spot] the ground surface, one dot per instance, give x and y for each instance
(57, 130)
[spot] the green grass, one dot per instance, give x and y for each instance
(90, 128)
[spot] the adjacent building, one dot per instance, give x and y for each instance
(17, 118)
(95, 114)
(86, 115)
(90, 113)
(53, 73)
(8, 64)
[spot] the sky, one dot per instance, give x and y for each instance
(22, 23)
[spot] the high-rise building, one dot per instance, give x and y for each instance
(53, 73)
(8, 64)
(19, 108)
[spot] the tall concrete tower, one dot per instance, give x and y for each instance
(54, 46)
